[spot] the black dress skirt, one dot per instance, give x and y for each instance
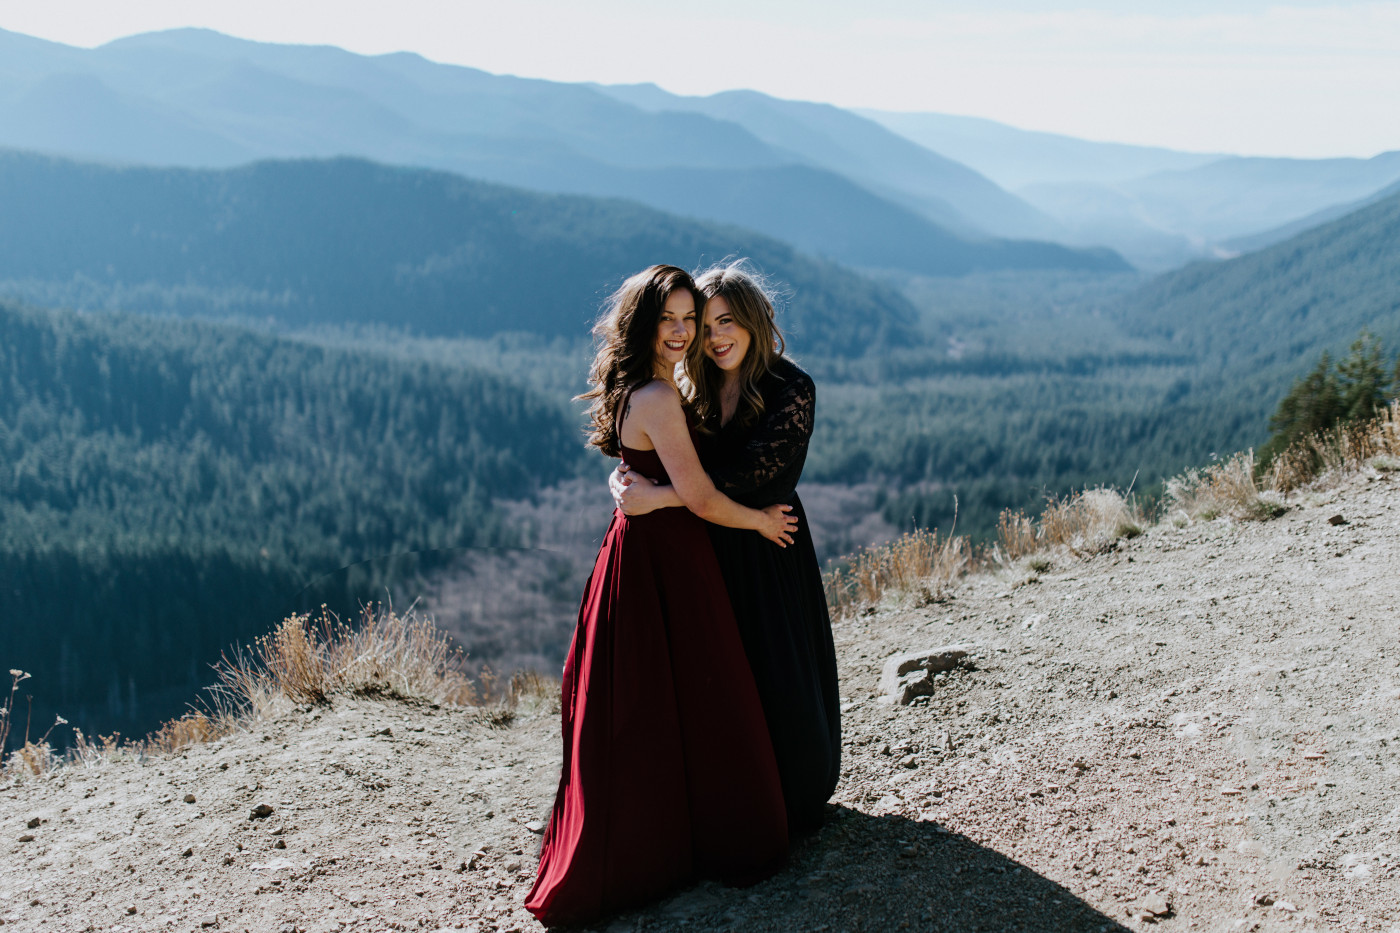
(777, 593)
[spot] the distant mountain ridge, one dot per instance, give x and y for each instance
(1159, 207)
(348, 241)
(200, 99)
(948, 192)
(1014, 157)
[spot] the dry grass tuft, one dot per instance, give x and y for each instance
(918, 563)
(1088, 522)
(308, 660)
(1228, 488)
(1344, 449)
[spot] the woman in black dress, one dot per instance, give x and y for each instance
(756, 409)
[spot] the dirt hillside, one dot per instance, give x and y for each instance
(1195, 731)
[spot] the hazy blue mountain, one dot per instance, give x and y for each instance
(351, 241)
(849, 223)
(1093, 214)
(947, 192)
(1238, 196)
(1014, 158)
(1272, 312)
(198, 98)
(1257, 241)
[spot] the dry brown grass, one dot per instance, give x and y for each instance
(307, 661)
(1344, 449)
(1087, 522)
(920, 564)
(1231, 488)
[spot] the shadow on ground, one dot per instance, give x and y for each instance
(865, 873)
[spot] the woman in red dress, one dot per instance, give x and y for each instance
(668, 770)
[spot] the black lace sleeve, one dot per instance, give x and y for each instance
(770, 455)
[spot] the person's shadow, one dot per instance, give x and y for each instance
(863, 873)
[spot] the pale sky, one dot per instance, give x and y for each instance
(1305, 79)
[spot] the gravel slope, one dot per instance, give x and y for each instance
(1197, 731)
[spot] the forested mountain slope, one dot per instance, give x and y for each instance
(171, 487)
(1282, 305)
(345, 241)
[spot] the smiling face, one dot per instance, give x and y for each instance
(726, 342)
(674, 331)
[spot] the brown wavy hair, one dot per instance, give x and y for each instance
(626, 337)
(747, 295)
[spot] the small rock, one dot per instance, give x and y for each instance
(1156, 905)
(1286, 907)
(261, 812)
(513, 865)
(909, 761)
(187, 853)
(208, 922)
(535, 826)
(1264, 900)
(909, 675)
(385, 731)
(130, 909)
(280, 844)
(1231, 791)
(1337, 520)
(34, 823)
(189, 798)
(26, 838)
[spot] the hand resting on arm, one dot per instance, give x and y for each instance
(656, 414)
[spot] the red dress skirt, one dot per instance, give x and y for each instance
(668, 770)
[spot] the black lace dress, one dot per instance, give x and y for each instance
(777, 592)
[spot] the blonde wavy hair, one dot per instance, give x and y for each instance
(748, 297)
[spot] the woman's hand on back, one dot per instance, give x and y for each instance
(632, 492)
(778, 525)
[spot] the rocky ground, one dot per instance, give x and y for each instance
(1195, 731)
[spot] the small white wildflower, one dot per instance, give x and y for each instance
(60, 721)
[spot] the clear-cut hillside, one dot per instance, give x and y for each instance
(1195, 729)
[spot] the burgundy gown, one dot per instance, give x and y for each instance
(668, 773)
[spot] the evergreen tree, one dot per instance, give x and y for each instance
(1362, 379)
(1312, 405)
(1353, 390)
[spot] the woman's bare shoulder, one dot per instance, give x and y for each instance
(656, 395)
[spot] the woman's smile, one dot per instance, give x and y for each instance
(726, 341)
(674, 331)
